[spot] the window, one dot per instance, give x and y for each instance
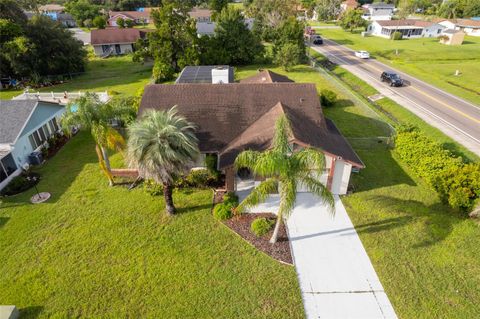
(55, 124)
(43, 138)
(51, 126)
(37, 139)
(32, 141)
(45, 129)
(7, 167)
(439, 30)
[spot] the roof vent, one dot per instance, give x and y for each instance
(302, 100)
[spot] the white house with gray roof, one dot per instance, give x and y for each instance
(25, 126)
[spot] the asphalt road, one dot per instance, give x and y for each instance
(454, 116)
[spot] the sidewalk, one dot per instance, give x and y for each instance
(337, 279)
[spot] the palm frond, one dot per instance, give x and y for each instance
(283, 132)
(317, 188)
(309, 159)
(259, 194)
(247, 159)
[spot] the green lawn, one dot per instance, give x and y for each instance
(99, 251)
(117, 74)
(424, 58)
(425, 254)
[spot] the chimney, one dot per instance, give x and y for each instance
(221, 74)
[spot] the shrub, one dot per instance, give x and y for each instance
(153, 188)
(457, 183)
(328, 98)
(261, 226)
(19, 184)
(397, 35)
(211, 163)
(231, 198)
(222, 211)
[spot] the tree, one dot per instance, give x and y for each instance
(173, 44)
(289, 36)
(283, 171)
(131, 5)
(233, 42)
(217, 5)
(88, 23)
(328, 9)
(289, 55)
(120, 22)
(162, 146)
(92, 114)
(129, 23)
(268, 15)
(99, 22)
(82, 10)
(352, 19)
(44, 47)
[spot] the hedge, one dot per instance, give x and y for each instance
(457, 183)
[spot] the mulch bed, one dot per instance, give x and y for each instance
(53, 149)
(280, 250)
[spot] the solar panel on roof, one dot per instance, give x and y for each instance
(201, 74)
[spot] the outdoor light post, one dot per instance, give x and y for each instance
(34, 179)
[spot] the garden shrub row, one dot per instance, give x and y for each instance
(224, 210)
(457, 183)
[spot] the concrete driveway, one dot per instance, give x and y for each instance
(337, 279)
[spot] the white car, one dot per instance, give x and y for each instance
(362, 54)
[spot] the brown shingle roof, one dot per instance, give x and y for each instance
(116, 36)
(266, 76)
(233, 117)
(196, 13)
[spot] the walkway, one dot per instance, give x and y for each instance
(336, 276)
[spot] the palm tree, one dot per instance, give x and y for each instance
(90, 113)
(283, 170)
(162, 146)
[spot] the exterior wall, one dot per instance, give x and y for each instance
(471, 31)
(124, 49)
(341, 177)
(409, 32)
(433, 31)
(42, 114)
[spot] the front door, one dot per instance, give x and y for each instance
(117, 49)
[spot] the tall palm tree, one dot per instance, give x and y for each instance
(92, 114)
(162, 146)
(283, 170)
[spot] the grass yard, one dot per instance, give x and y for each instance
(425, 254)
(424, 58)
(117, 74)
(99, 251)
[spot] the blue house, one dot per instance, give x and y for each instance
(25, 126)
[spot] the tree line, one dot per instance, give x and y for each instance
(175, 44)
(36, 47)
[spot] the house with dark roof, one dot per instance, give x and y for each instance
(115, 41)
(25, 125)
(410, 28)
(233, 117)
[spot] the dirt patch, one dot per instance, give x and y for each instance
(280, 250)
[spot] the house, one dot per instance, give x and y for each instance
(378, 11)
(201, 15)
(452, 37)
(25, 125)
(138, 17)
(115, 41)
(57, 13)
(234, 117)
(206, 74)
(468, 26)
(348, 5)
(408, 27)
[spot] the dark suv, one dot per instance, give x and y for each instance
(316, 39)
(392, 78)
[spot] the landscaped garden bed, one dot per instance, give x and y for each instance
(242, 226)
(21, 183)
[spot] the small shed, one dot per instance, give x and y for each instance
(452, 37)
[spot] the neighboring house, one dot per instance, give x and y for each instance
(115, 41)
(452, 37)
(234, 117)
(139, 17)
(205, 24)
(25, 125)
(349, 5)
(378, 11)
(408, 27)
(57, 13)
(206, 74)
(469, 26)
